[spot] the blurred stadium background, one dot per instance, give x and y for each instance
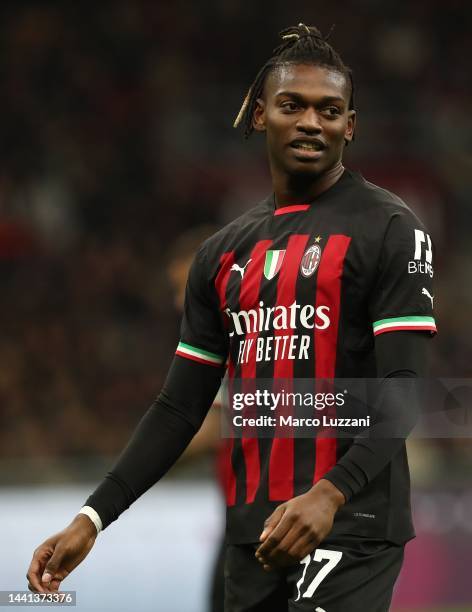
(115, 139)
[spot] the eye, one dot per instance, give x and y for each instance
(290, 106)
(332, 111)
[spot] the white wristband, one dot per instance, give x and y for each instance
(93, 516)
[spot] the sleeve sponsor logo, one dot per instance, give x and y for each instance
(422, 262)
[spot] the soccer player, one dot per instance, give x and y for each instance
(328, 277)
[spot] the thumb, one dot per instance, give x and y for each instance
(51, 569)
(272, 521)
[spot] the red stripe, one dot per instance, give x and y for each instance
(281, 464)
(291, 209)
(199, 359)
(403, 327)
(249, 298)
(328, 293)
(226, 449)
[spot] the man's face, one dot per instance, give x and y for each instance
(304, 112)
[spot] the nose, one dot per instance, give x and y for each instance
(309, 122)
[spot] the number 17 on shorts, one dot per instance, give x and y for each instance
(357, 577)
(327, 561)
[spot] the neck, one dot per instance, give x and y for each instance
(303, 188)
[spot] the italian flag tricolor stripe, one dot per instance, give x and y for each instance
(399, 323)
(273, 262)
(197, 354)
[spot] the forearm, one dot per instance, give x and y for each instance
(159, 439)
(400, 355)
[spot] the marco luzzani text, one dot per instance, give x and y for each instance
(279, 405)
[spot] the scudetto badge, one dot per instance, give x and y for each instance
(310, 260)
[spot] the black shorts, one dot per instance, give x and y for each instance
(348, 574)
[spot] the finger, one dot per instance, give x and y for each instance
(299, 535)
(272, 521)
(277, 559)
(280, 556)
(291, 537)
(54, 584)
(35, 569)
(274, 538)
(35, 585)
(53, 570)
(302, 547)
(35, 590)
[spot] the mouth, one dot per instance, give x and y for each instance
(308, 148)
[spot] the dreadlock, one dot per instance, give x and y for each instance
(301, 45)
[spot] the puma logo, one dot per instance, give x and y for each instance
(427, 293)
(236, 268)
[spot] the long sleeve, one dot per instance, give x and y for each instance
(400, 355)
(160, 438)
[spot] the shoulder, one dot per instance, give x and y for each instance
(231, 235)
(381, 206)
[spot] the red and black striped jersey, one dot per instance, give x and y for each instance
(300, 292)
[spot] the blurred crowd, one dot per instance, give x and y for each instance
(116, 138)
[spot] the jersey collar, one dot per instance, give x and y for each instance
(291, 208)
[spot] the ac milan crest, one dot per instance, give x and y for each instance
(310, 260)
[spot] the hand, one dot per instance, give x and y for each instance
(298, 526)
(55, 558)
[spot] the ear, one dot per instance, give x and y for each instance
(258, 117)
(350, 128)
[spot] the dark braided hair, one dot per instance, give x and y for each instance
(301, 45)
